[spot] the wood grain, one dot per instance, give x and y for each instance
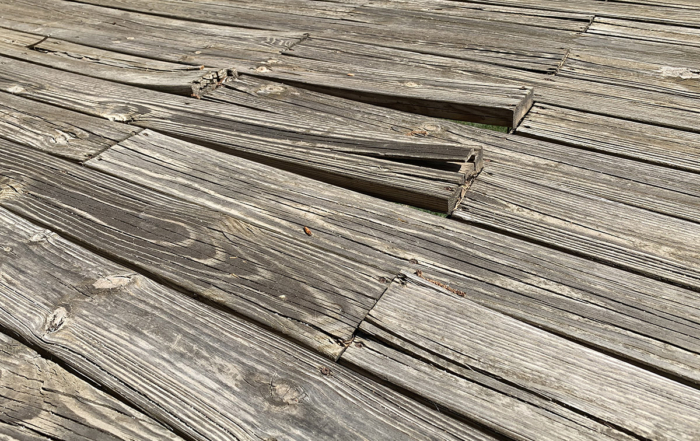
(462, 333)
(671, 148)
(331, 152)
(63, 133)
(175, 78)
(302, 291)
(652, 323)
(41, 397)
(485, 103)
(205, 373)
(556, 213)
(144, 35)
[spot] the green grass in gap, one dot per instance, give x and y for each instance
(502, 129)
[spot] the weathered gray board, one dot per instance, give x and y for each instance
(669, 76)
(637, 318)
(489, 102)
(640, 30)
(313, 296)
(332, 152)
(121, 68)
(205, 373)
(630, 182)
(60, 132)
(458, 11)
(474, 349)
(485, 103)
(39, 396)
(636, 10)
(672, 148)
(143, 35)
(522, 199)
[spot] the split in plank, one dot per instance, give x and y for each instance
(308, 293)
(331, 152)
(54, 130)
(482, 349)
(657, 145)
(42, 397)
(121, 68)
(205, 373)
(650, 322)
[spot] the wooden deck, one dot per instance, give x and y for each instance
(209, 225)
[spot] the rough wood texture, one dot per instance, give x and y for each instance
(636, 10)
(657, 145)
(485, 103)
(463, 334)
(143, 35)
(330, 152)
(526, 201)
(646, 31)
(670, 76)
(311, 295)
(630, 182)
(638, 318)
(41, 397)
(471, 395)
(203, 372)
(121, 68)
(63, 133)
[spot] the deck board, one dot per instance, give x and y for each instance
(41, 397)
(630, 315)
(277, 280)
(465, 334)
(208, 217)
(203, 372)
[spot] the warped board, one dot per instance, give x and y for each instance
(657, 145)
(63, 133)
(143, 35)
(38, 395)
(136, 71)
(419, 318)
(313, 296)
(559, 214)
(637, 318)
(331, 152)
(484, 103)
(665, 33)
(205, 373)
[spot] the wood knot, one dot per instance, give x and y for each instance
(113, 282)
(383, 280)
(282, 392)
(41, 236)
(413, 261)
(56, 320)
